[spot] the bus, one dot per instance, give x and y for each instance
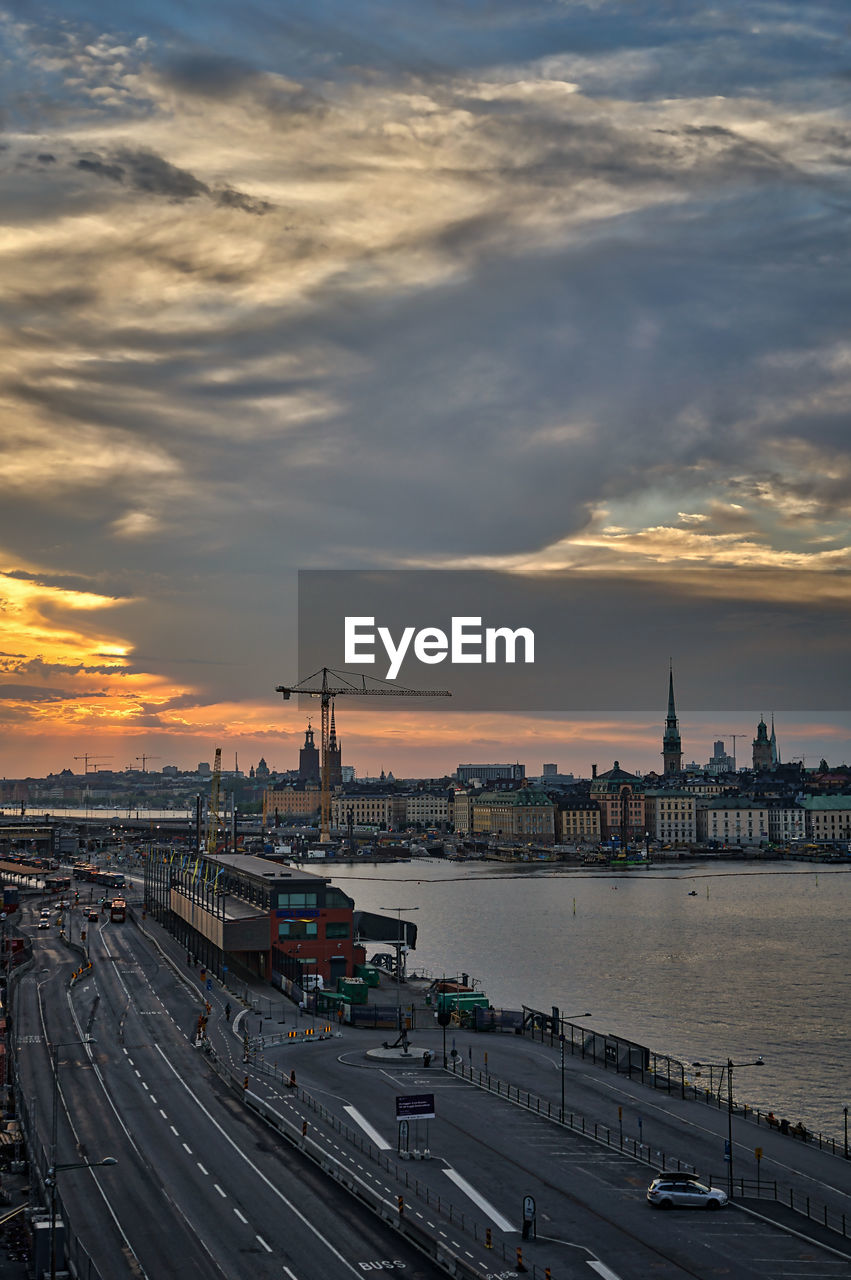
(57, 884)
(118, 911)
(112, 879)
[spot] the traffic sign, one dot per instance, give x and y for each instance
(414, 1106)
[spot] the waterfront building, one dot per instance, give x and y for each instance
(524, 815)
(671, 815)
(732, 820)
(427, 809)
(385, 810)
(827, 817)
(579, 821)
(254, 916)
(672, 749)
(462, 810)
(786, 821)
(294, 801)
(620, 796)
(491, 772)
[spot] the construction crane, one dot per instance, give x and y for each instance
(343, 683)
(213, 811)
(734, 736)
(145, 760)
(87, 758)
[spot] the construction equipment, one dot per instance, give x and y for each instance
(343, 683)
(145, 760)
(213, 811)
(87, 758)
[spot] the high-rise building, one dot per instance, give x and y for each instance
(549, 771)
(672, 750)
(491, 772)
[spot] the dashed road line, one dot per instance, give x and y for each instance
(266, 1246)
(223, 1194)
(241, 1216)
(201, 1167)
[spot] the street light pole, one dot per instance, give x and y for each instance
(54, 1131)
(561, 1041)
(728, 1067)
(845, 1110)
(400, 944)
(50, 1181)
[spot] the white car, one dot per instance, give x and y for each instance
(44, 924)
(676, 1190)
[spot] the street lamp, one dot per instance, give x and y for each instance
(54, 1127)
(399, 911)
(728, 1065)
(50, 1181)
(845, 1110)
(561, 1041)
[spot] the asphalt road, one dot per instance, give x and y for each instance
(201, 1187)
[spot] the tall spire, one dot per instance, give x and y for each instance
(672, 751)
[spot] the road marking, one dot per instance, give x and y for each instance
(266, 1246)
(153, 1099)
(163, 1114)
(485, 1205)
(291, 1274)
(186, 1147)
(174, 1131)
(603, 1270)
(260, 1174)
(371, 1133)
(223, 1194)
(241, 1216)
(201, 1167)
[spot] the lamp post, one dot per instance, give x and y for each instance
(561, 1042)
(728, 1066)
(50, 1181)
(400, 944)
(845, 1111)
(54, 1129)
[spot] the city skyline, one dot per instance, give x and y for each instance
(533, 288)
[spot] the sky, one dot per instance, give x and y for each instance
(532, 286)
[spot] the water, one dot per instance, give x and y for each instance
(757, 963)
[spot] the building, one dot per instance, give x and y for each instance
(761, 748)
(292, 801)
(462, 810)
(427, 809)
(732, 820)
(786, 821)
(248, 915)
(308, 758)
(671, 815)
(672, 749)
(335, 769)
(549, 771)
(490, 772)
(579, 821)
(525, 815)
(720, 762)
(827, 817)
(620, 796)
(386, 811)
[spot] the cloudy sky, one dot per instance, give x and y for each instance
(528, 285)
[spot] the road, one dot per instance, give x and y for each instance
(201, 1188)
(195, 1160)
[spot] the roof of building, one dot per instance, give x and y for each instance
(525, 796)
(826, 802)
(261, 868)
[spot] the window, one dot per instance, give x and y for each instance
(336, 898)
(298, 929)
(297, 900)
(337, 929)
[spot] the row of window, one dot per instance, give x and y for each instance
(310, 929)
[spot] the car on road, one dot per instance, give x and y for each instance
(44, 924)
(93, 915)
(677, 1191)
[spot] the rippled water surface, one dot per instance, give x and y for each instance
(757, 962)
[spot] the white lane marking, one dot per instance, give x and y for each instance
(291, 1274)
(223, 1194)
(371, 1133)
(485, 1205)
(267, 1247)
(603, 1270)
(186, 1147)
(174, 1131)
(292, 1208)
(163, 1114)
(241, 1216)
(153, 1099)
(201, 1167)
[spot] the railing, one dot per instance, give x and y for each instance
(439, 1204)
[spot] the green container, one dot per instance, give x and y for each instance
(461, 1000)
(355, 988)
(370, 974)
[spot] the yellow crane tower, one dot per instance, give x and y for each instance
(213, 812)
(343, 683)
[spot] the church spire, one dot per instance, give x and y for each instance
(672, 751)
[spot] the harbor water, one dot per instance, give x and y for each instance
(704, 963)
